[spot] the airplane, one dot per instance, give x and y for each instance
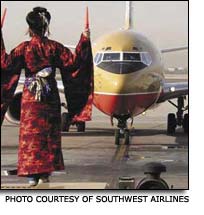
(128, 80)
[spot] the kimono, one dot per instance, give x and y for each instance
(40, 121)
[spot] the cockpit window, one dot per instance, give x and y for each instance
(111, 56)
(146, 58)
(122, 62)
(131, 56)
(98, 58)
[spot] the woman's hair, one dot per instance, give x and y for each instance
(39, 20)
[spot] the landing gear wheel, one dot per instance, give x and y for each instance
(117, 137)
(127, 137)
(171, 124)
(80, 126)
(64, 122)
(186, 123)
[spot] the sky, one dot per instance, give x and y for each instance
(165, 23)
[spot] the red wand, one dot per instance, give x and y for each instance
(87, 19)
(3, 17)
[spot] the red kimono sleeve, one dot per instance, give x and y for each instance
(11, 66)
(77, 77)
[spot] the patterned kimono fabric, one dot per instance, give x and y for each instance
(40, 122)
(9, 82)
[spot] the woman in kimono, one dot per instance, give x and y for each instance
(40, 123)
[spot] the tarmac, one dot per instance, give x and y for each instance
(93, 161)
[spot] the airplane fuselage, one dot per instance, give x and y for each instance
(128, 73)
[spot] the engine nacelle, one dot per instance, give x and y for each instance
(14, 109)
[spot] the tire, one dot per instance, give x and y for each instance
(117, 137)
(171, 123)
(64, 122)
(186, 123)
(80, 126)
(127, 137)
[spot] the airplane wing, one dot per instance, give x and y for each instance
(174, 49)
(173, 90)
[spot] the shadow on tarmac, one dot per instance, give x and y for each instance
(181, 138)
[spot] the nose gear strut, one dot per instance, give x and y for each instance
(122, 131)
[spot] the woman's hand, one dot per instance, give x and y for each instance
(86, 33)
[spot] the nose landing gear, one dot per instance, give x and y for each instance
(178, 119)
(122, 132)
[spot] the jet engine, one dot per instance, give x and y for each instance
(14, 109)
(13, 113)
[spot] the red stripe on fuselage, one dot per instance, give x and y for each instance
(116, 104)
